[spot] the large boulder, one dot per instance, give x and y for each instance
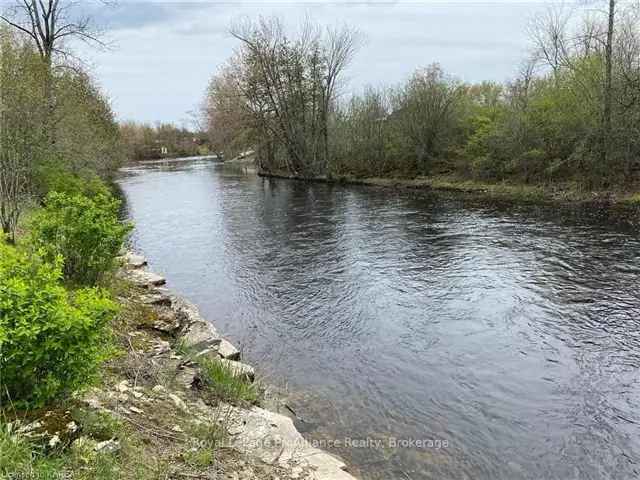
(228, 350)
(200, 335)
(274, 439)
(145, 279)
(135, 261)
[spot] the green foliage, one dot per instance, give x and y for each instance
(221, 381)
(21, 459)
(53, 177)
(85, 232)
(51, 341)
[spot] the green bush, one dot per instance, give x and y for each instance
(51, 340)
(85, 232)
(52, 178)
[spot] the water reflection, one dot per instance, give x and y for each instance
(511, 332)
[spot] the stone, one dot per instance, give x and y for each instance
(167, 322)
(186, 312)
(159, 390)
(145, 279)
(274, 439)
(108, 446)
(55, 440)
(186, 376)
(239, 369)
(161, 347)
(228, 351)
(178, 402)
(155, 299)
(135, 261)
(123, 386)
(200, 335)
(136, 410)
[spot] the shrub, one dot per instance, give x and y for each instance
(52, 178)
(86, 232)
(51, 341)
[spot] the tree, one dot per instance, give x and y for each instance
(427, 111)
(290, 87)
(49, 24)
(608, 82)
(21, 134)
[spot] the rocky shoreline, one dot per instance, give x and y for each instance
(266, 443)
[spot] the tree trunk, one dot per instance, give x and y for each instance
(608, 85)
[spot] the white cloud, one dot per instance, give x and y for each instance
(167, 51)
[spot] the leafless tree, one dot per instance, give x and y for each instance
(14, 189)
(50, 22)
(291, 85)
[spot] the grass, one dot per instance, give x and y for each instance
(634, 199)
(20, 458)
(23, 457)
(219, 380)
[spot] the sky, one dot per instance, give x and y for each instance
(162, 54)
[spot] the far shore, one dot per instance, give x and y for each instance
(555, 193)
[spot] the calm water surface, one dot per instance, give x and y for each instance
(512, 334)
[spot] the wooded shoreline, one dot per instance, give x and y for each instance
(568, 194)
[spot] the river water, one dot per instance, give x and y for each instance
(472, 340)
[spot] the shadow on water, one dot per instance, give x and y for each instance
(505, 338)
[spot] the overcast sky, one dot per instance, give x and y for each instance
(165, 52)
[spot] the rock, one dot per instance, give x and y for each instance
(156, 299)
(187, 376)
(138, 395)
(55, 440)
(145, 279)
(239, 369)
(108, 446)
(274, 439)
(167, 322)
(161, 347)
(123, 386)
(186, 312)
(159, 390)
(227, 350)
(200, 335)
(136, 410)
(135, 261)
(178, 402)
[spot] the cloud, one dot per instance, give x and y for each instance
(168, 50)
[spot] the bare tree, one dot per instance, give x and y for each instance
(50, 22)
(608, 81)
(290, 86)
(14, 190)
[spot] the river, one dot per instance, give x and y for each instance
(471, 339)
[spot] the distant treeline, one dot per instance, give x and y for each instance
(163, 140)
(571, 115)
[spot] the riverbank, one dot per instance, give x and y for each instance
(175, 402)
(560, 193)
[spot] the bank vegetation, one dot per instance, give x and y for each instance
(569, 119)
